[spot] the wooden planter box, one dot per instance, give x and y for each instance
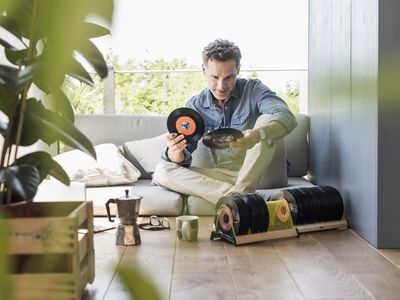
(51, 249)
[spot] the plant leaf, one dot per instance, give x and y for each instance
(7, 98)
(139, 286)
(42, 85)
(27, 74)
(40, 159)
(93, 56)
(19, 16)
(102, 8)
(8, 75)
(31, 131)
(17, 57)
(58, 173)
(56, 128)
(23, 180)
(62, 105)
(3, 127)
(92, 30)
(6, 45)
(79, 72)
(10, 25)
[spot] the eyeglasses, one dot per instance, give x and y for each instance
(155, 223)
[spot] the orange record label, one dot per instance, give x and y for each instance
(185, 125)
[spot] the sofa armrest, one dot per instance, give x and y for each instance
(54, 190)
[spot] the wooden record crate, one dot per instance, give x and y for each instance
(50, 249)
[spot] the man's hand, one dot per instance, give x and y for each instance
(249, 139)
(176, 144)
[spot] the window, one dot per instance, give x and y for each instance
(155, 50)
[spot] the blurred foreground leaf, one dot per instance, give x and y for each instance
(138, 285)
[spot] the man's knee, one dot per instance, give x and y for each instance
(162, 172)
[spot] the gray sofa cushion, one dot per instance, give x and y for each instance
(118, 129)
(155, 201)
(201, 207)
(146, 153)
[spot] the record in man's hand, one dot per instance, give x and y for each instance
(188, 122)
(220, 138)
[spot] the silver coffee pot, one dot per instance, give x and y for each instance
(127, 212)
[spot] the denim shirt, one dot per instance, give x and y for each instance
(249, 99)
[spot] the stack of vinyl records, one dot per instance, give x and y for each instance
(314, 204)
(250, 214)
(240, 215)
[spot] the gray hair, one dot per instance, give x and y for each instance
(222, 50)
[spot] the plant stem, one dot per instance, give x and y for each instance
(24, 93)
(19, 107)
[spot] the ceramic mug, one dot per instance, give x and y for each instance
(187, 227)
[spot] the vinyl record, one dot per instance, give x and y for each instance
(288, 195)
(234, 213)
(337, 205)
(311, 204)
(264, 213)
(323, 204)
(188, 122)
(283, 212)
(225, 219)
(220, 138)
(303, 206)
(317, 198)
(239, 213)
(245, 215)
(255, 213)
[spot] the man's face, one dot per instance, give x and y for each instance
(221, 77)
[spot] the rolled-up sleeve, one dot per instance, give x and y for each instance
(269, 103)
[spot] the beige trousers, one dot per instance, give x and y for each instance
(264, 167)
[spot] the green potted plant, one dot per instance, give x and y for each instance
(41, 40)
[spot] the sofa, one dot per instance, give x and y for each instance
(141, 139)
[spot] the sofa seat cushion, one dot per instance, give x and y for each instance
(54, 190)
(155, 201)
(201, 207)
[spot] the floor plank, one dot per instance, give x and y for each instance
(316, 272)
(107, 256)
(353, 252)
(203, 255)
(201, 269)
(379, 275)
(334, 264)
(202, 285)
(391, 254)
(259, 273)
(154, 257)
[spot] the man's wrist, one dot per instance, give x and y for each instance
(261, 135)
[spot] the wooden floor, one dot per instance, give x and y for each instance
(335, 264)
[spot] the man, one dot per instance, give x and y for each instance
(244, 104)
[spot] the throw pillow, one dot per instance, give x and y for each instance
(146, 154)
(111, 167)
